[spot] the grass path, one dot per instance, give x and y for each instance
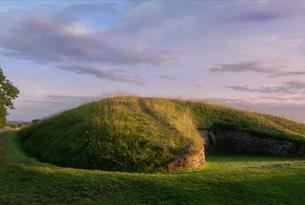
(224, 180)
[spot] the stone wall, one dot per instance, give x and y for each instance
(186, 160)
(236, 142)
(239, 142)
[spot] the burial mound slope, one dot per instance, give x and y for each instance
(152, 134)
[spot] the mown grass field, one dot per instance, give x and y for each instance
(223, 180)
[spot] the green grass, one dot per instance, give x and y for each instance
(121, 134)
(140, 134)
(223, 180)
(209, 115)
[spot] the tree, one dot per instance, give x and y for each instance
(8, 92)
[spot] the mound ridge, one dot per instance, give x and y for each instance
(151, 134)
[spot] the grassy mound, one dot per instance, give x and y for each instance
(141, 134)
(122, 134)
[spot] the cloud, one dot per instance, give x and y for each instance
(249, 66)
(138, 38)
(258, 16)
(290, 87)
(165, 77)
(112, 42)
(295, 99)
(113, 75)
(271, 67)
(52, 36)
(265, 11)
(289, 73)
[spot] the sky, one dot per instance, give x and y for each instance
(248, 54)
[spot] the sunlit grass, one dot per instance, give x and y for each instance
(223, 180)
(121, 134)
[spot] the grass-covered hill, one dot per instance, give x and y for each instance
(122, 134)
(141, 134)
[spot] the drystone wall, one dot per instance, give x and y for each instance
(186, 160)
(219, 140)
(239, 142)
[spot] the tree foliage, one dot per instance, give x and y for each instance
(8, 92)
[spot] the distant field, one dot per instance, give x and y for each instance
(223, 180)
